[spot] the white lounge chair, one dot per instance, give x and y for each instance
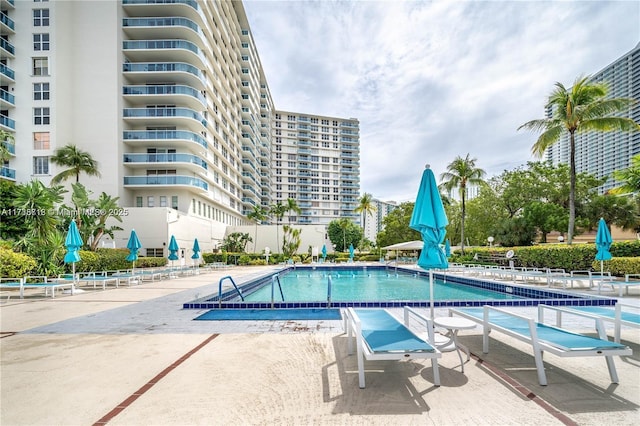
(380, 336)
(544, 338)
(621, 314)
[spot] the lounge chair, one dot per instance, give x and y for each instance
(544, 338)
(621, 284)
(37, 282)
(619, 316)
(380, 336)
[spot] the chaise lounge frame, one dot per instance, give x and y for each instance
(545, 338)
(381, 336)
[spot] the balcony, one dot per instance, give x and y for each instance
(10, 147)
(165, 94)
(6, 24)
(7, 48)
(169, 158)
(157, 28)
(7, 123)
(153, 50)
(169, 137)
(161, 72)
(166, 180)
(7, 173)
(8, 73)
(6, 98)
(167, 117)
(187, 8)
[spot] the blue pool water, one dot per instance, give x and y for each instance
(365, 286)
(382, 286)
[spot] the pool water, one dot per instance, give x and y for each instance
(367, 285)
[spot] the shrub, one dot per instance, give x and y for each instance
(619, 266)
(15, 265)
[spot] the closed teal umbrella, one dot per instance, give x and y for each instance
(603, 243)
(447, 248)
(133, 245)
(73, 243)
(430, 219)
(351, 251)
(324, 251)
(196, 249)
(173, 249)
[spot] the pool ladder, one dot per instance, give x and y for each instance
(274, 279)
(220, 289)
(329, 284)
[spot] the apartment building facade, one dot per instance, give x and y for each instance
(170, 97)
(602, 153)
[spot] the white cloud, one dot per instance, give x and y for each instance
(430, 81)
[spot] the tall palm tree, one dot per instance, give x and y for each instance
(583, 107)
(77, 161)
(278, 210)
(629, 177)
(365, 207)
(460, 173)
(258, 214)
(292, 206)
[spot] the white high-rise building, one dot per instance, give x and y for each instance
(602, 153)
(316, 162)
(374, 222)
(170, 97)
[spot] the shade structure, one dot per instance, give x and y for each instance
(173, 249)
(133, 245)
(324, 251)
(430, 219)
(73, 243)
(447, 248)
(196, 249)
(351, 251)
(603, 243)
(407, 245)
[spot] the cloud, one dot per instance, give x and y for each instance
(430, 81)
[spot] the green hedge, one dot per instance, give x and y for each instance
(619, 266)
(113, 259)
(15, 265)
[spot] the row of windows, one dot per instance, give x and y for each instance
(151, 201)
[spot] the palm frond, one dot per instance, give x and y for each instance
(546, 139)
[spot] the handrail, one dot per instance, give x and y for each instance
(220, 289)
(273, 282)
(329, 283)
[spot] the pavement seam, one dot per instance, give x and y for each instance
(138, 393)
(526, 392)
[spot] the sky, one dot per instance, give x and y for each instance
(431, 81)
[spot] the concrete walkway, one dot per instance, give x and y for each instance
(132, 356)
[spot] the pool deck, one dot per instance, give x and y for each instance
(132, 356)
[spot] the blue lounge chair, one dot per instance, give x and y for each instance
(544, 338)
(621, 314)
(380, 336)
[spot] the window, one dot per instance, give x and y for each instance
(138, 201)
(151, 201)
(40, 91)
(41, 17)
(40, 165)
(41, 116)
(174, 202)
(40, 140)
(41, 41)
(40, 66)
(155, 252)
(163, 201)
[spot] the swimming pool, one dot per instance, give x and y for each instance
(361, 287)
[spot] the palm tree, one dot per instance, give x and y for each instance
(460, 173)
(278, 210)
(630, 178)
(292, 206)
(579, 109)
(258, 214)
(76, 160)
(365, 207)
(344, 223)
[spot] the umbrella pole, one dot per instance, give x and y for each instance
(431, 293)
(73, 272)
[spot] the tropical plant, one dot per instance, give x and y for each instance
(6, 139)
(236, 242)
(77, 161)
(258, 214)
(582, 108)
(366, 208)
(37, 205)
(395, 226)
(343, 232)
(460, 173)
(292, 206)
(629, 176)
(12, 225)
(278, 210)
(290, 241)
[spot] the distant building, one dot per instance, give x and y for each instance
(602, 153)
(374, 223)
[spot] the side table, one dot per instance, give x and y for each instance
(453, 326)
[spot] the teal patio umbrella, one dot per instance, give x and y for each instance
(447, 248)
(173, 250)
(73, 243)
(351, 251)
(133, 245)
(196, 250)
(324, 252)
(603, 244)
(430, 219)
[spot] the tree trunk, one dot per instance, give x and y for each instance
(462, 196)
(572, 187)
